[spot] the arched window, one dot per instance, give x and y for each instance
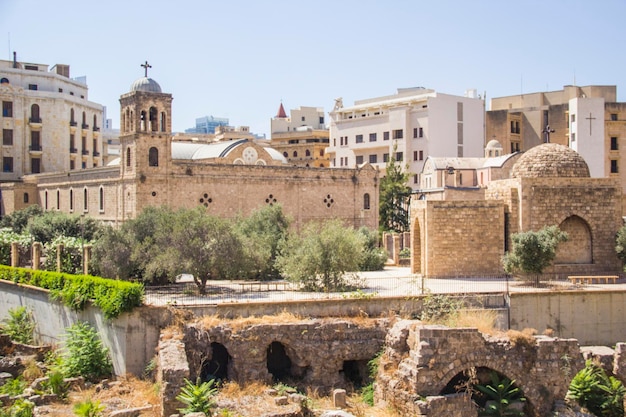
(71, 200)
(34, 113)
(101, 199)
(128, 157)
(26, 197)
(58, 200)
(153, 119)
(321, 152)
(142, 121)
(307, 153)
(4, 80)
(45, 200)
(131, 120)
(295, 154)
(127, 121)
(72, 118)
(163, 120)
(285, 154)
(95, 122)
(85, 206)
(84, 124)
(153, 157)
(366, 201)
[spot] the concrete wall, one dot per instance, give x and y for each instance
(594, 318)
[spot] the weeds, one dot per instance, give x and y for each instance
(20, 325)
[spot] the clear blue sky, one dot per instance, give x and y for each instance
(239, 59)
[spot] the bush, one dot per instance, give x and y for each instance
(439, 307)
(88, 408)
(113, 297)
(601, 394)
(84, 354)
(20, 325)
(197, 397)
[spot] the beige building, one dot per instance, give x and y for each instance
(548, 185)
(588, 119)
(48, 122)
(227, 177)
(302, 137)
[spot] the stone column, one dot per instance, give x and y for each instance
(60, 249)
(396, 249)
(36, 255)
(86, 259)
(15, 254)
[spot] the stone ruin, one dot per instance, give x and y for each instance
(420, 371)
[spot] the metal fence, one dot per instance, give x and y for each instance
(396, 283)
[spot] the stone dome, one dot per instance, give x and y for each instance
(493, 144)
(146, 84)
(550, 160)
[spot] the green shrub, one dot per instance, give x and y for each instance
(601, 394)
(113, 297)
(197, 397)
(20, 325)
(22, 408)
(13, 386)
(439, 306)
(56, 384)
(502, 398)
(367, 392)
(83, 354)
(88, 408)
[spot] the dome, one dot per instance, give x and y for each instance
(550, 160)
(146, 84)
(494, 144)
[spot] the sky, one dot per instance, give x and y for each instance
(241, 58)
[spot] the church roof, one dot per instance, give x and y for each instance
(186, 150)
(456, 163)
(145, 84)
(281, 112)
(550, 160)
(498, 161)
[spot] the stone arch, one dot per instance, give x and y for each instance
(143, 121)
(153, 157)
(480, 375)
(356, 373)
(217, 366)
(34, 113)
(416, 248)
(278, 362)
(579, 247)
(153, 119)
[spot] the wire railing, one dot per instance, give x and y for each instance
(389, 283)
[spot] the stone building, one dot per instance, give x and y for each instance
(548, 185)
(48, 122)
(228, 177)
(302, 137)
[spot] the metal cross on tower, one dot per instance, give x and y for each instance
(590, 118)
(146, 66)
(546, 131)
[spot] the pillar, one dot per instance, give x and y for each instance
(15, 254)
(60, 249)
(36, 255)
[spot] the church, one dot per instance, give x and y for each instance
(227, 178)
(463, 227)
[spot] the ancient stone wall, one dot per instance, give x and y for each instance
(421, 361)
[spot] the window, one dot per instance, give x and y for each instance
(321, 120)
(359, 159)
(45, 200)
(385, 135)
(373, 159)
(35, 165)
(614, 143)
(34, 114)
(459, 112)
(295, 154)
(421, 156)
(32, 87)
(399, 156)
(366, 201)
(415, 155)
(385, 157)
(372, 137)
(415, 180)
(7, 109)
(334, 141)
(414, 132)
(153, 157)
(420, 133)
(58, 200)
(26, 197)
(35, 140)
(285, 154)
(573, 137)
(85, 206)
(128, 157)
(321, 152)
(307, 153)
(71, 200)
(7, 164)
(359, 138)
(72, 164)
(7, 137)
(573, 118)
(614, 117)
(398, 134)
(303, 118)
(614, 167)
(101, 200)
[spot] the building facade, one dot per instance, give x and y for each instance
(208, 124)
(48, 122)
(410, 125)
(227, 177)
(302, 137)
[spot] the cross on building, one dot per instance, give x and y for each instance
(590, 118)
(146, 66)
(546, 131)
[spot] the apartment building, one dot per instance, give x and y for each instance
(48, 122)
(411, 125)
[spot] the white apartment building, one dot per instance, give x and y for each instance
(48, 124)
(418, 122)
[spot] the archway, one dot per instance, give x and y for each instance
(217, 366)
(356, 373)
(579, 246)
(470, 379)
(278, 363)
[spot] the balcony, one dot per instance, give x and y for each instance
(85, 152)
(73, 150)
(36, 120)
(85, 126)
(35, 148)
(96, 153)
(96, 129)
(73, 123)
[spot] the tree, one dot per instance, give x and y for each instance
(51, 224)
(262, 234)
(533, 251)
(320, 256)
(394, 191)
(18, 220)
(374, 257)
(620, 244)
(111, 254)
